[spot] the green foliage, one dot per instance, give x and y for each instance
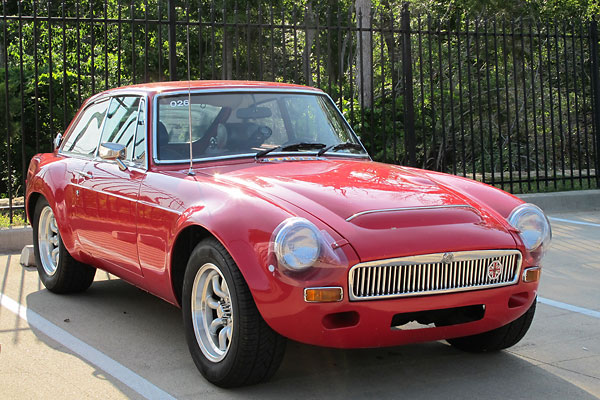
(466, 87)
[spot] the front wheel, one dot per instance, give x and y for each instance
(229, 341)
(497, 339)
(58, 271)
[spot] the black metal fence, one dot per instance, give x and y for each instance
(515, 104)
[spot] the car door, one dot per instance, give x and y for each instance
(112, 191)
(78, 149)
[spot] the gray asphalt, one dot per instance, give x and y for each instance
(558, 359)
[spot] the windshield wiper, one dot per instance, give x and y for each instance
(340, 146)
(291, 147)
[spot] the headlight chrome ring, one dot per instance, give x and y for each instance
(297, 244)
(532, 224)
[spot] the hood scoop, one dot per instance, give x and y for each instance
(398, 218)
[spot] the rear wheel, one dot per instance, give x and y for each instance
(229, 341)
(58, 271)
(497, 339)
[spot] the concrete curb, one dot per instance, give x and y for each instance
(14, 239)
(556, 202)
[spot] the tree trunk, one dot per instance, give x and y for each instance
(227, 71)
(364, 64)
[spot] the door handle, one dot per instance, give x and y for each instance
(84, 174)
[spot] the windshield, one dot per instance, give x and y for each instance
(242, 123)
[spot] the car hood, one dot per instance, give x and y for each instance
(383, 210)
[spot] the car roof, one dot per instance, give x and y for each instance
(158, 87)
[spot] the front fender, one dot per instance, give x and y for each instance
(244, 225)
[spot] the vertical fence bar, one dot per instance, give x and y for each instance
(407, 76)
(508, 126)
(422, 90)
(516, 93)
(451, 95)
(172, 17)
(64, 67)
(576, 99)
(543, 106)
(560, 116)
(460, 101)
(489, 104)
(525, 119)
(471, 131)
(584, 105)
(78, 33)
(36, 78)
(551, 100)
(105, 29)
(534, 108)
(159, 43)
(500, 143)
(568, 110)
(22, 95)
(442, 152)
(50, 77)
(133, 57)
(92, 46)
(431, 89)
(7, 117)
(595, 66)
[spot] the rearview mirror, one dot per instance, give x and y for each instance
(57, 140)
(253, 112)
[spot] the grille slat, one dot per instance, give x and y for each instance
(428, 274)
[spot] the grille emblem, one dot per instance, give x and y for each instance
(447, 258)
(495, 269)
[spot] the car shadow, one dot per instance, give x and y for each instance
(145, 334)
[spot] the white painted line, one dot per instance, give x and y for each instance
(569, 307)
(84, 350)
(570, 221)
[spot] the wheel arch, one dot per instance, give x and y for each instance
(183, 245)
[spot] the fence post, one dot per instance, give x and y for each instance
(595, 91)
(408, 97)
(172, 16)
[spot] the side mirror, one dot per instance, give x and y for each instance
(114, 151)
(57, 140)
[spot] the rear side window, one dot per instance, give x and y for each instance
(121, 122)
(84, 138)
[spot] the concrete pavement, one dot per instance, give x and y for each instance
(558, 359)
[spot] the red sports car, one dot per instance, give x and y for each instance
(254, 207)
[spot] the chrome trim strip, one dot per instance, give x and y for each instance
(235, 90)
(325, 287)
(358, 214)
(412, 280)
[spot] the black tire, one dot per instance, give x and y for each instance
(497, 339)
(70, 275)
(254, 351)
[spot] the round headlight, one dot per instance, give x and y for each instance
(532, 224)
(297, 244)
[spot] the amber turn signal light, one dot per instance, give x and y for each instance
(532, 274)
(323, 294)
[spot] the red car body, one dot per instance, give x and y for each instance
(138, 224)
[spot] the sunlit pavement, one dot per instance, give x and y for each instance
(558, 359)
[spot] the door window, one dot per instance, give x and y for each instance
(120, 125)
(139, 150)
(83, 139)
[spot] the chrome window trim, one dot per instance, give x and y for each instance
(358, 214)
(238, 90)
(436, 258)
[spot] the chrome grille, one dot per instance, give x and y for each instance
(433, 274)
